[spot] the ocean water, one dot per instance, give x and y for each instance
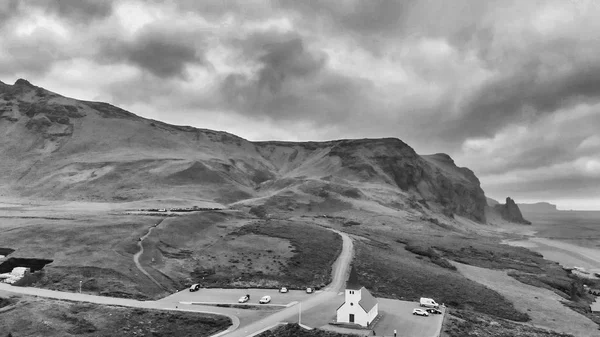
(581, 228)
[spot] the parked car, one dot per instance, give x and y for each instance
(283, 290)
(420, 312)
(244, 298)
(428, 302)
(265, 299)
(433, 311)
(310, 290)
(195, 287)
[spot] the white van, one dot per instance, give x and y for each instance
(428, 302)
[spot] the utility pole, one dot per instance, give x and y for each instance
(80, 282)
(299, 313)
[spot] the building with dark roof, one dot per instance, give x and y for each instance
(360, 307)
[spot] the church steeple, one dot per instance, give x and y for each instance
(352, 283)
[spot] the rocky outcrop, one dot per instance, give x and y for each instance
(511, 212)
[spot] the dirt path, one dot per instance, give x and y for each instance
(136, 257)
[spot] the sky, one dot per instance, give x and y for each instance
(510, 89)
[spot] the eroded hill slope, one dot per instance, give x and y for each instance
(54, 147)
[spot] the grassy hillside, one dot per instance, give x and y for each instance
(218, 251)
(59, 148)
(31, 316)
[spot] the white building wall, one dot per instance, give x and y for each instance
(351, 306)
(360, 316)
(373, 313)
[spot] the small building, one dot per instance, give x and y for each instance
(14, 276)
(360, 307)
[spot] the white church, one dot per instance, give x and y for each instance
(360, 306)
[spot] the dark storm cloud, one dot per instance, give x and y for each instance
(539, 155)
(525, 94)
(8, 10)
(78, 10)
(159, 49)
(33, 55)
(378, 24)
(292, 82)
(281, 58)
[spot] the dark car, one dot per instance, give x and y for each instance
(195, 287)
(433, 311)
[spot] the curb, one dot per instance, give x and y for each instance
(240, 304)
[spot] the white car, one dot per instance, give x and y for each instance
(244, 299)
(283, 290)
(420, 312)
(265, 299)
(310, 290)
(195, 287)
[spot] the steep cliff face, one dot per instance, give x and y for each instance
(434, 181)
(511, 212)
(456, 188)
(56, 147)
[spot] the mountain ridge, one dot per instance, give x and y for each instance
(63, 148)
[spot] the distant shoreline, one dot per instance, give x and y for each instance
(566, 254)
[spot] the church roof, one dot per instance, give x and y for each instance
(352, 283)
(367, 301)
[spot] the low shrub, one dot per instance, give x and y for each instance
(295, 330)
(387, 274)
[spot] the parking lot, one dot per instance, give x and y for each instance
(398, 315)
(231, 296)
(394, 314)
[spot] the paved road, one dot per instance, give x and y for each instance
(122, 302)
(340, 270)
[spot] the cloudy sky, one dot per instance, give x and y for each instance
(508, 88)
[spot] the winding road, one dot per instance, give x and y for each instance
(339, 272)
(136, 257)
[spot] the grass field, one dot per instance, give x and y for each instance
(220, 250)
(546, 308)
(32, 316)
(94, 248)
(462, 323)
(314, 249)
(390, 271)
